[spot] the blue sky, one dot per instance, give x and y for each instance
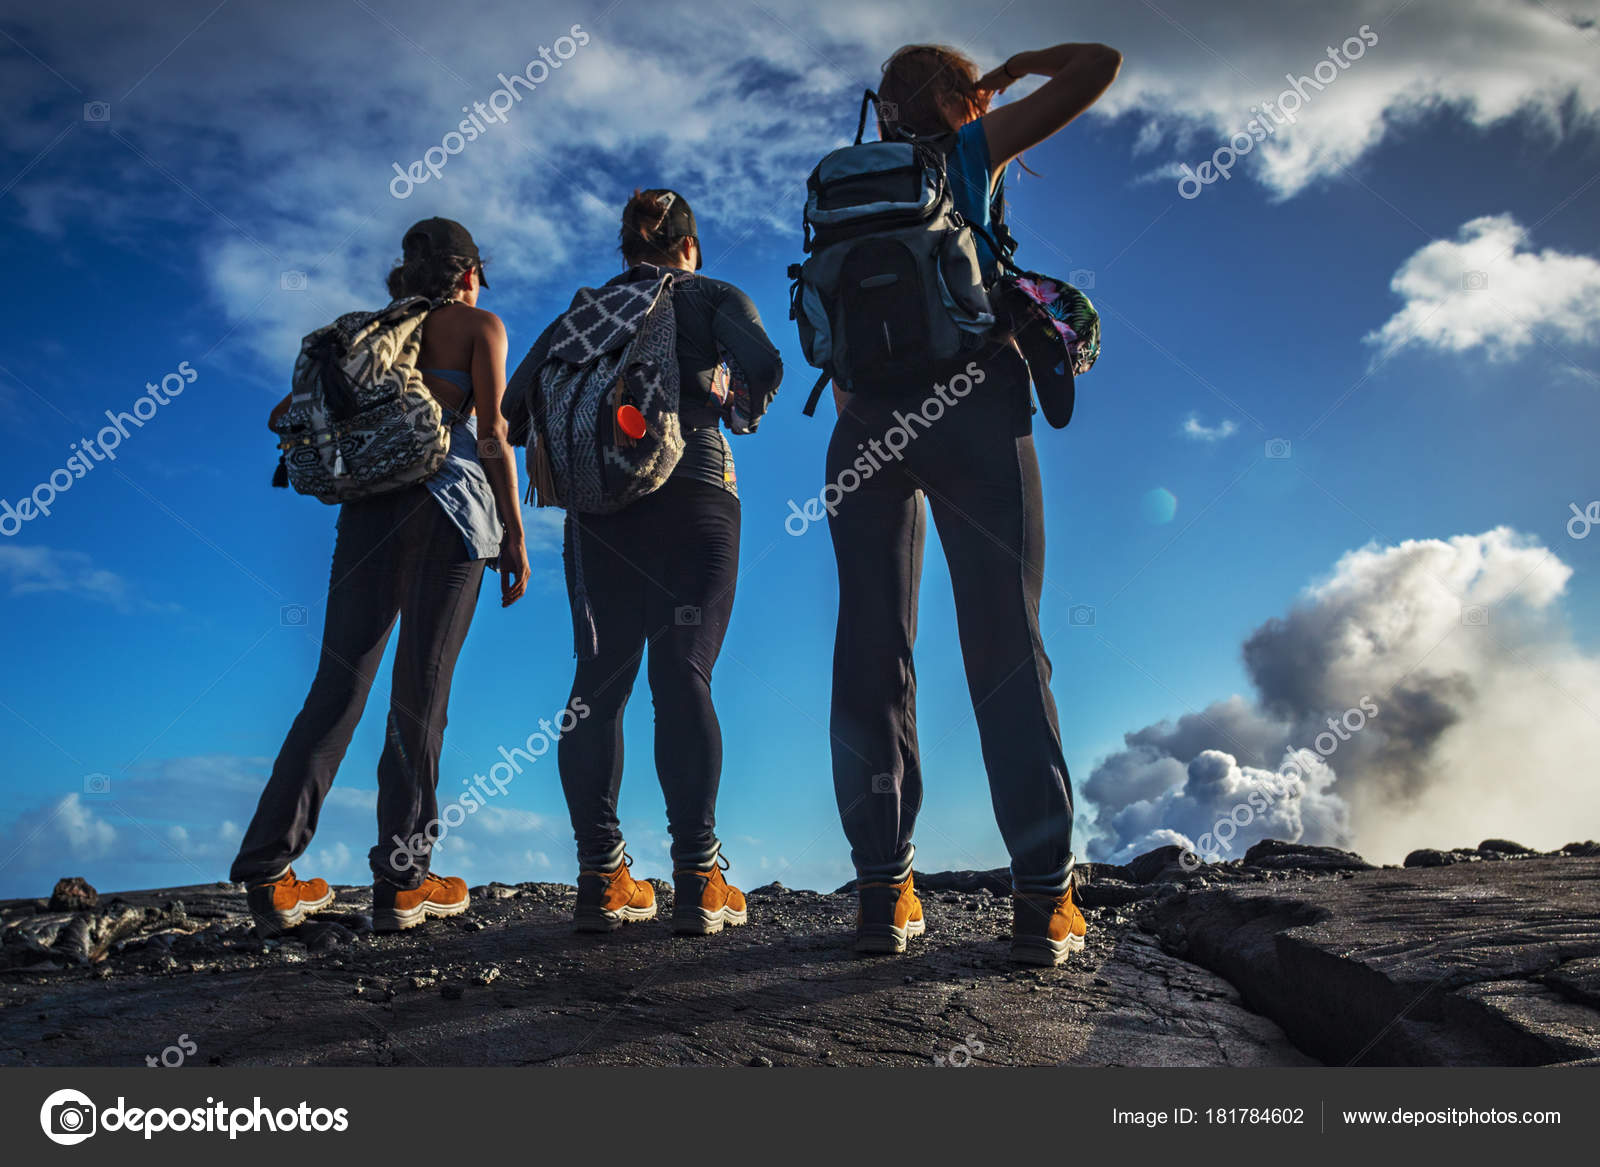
(1322, 295)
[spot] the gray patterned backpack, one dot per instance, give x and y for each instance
(605, 401)
(360, 420)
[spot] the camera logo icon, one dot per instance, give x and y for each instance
(883, 784)
(1081, 278)
(1475, 616)
(68, 1117)
(1081, 615)
(293, 615)
(97, 784)
(1278, 448)
(97, 111)
(292, 281)
(687, 616)
(1474, 281)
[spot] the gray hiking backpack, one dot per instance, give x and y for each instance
(613, 351)
(892, 287)
(360, 420)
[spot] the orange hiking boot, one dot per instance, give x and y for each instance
(283, 902)
(609, 899)
(702, 901)
(1046, 929)
(394, 910)
(887, 916)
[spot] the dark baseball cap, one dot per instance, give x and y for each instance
(443, 237)
(679, 223)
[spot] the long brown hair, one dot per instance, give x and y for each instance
(919, 80)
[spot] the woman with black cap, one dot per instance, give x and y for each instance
(662, 572)
(415, 554)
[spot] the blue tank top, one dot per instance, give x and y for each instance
(968, 168)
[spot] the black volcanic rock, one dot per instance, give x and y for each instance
(1276, 855)
(1467, 964)
(522, 989)
(73, 894)
(995, 882)
(1504, 847)
(1471, 964)
(1428, 857)
(1162, 863)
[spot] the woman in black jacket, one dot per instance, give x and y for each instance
(662, 572)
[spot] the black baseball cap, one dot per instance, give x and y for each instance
(679, 223)
(445, 237)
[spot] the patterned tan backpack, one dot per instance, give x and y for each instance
(360, 420)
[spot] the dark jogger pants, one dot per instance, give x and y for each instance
(976, 466)
(397, 555)
(663, 572)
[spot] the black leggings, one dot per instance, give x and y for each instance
(398, 556)
(663, 572)
(975, 463)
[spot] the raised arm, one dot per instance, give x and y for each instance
(1078, 74)
(494, 452)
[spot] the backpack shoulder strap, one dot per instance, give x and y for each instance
(868, 98)
(816, 393)
(1004, 242)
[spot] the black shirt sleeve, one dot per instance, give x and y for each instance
(744, 344)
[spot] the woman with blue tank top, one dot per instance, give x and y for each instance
(977, 469)
(415, 555)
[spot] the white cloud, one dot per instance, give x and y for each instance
(68, 829)
(289, 155)
(501, 820)
(332, 861)
(1486, 714)
(544, 527)
(1194, 71)
(1194, 428)
(30, 571)
(1486, 290)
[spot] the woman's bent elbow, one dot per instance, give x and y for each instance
(1107, 60)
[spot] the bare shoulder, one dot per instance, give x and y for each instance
(467, 322)
(486, 324)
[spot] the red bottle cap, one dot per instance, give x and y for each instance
(630, 421)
